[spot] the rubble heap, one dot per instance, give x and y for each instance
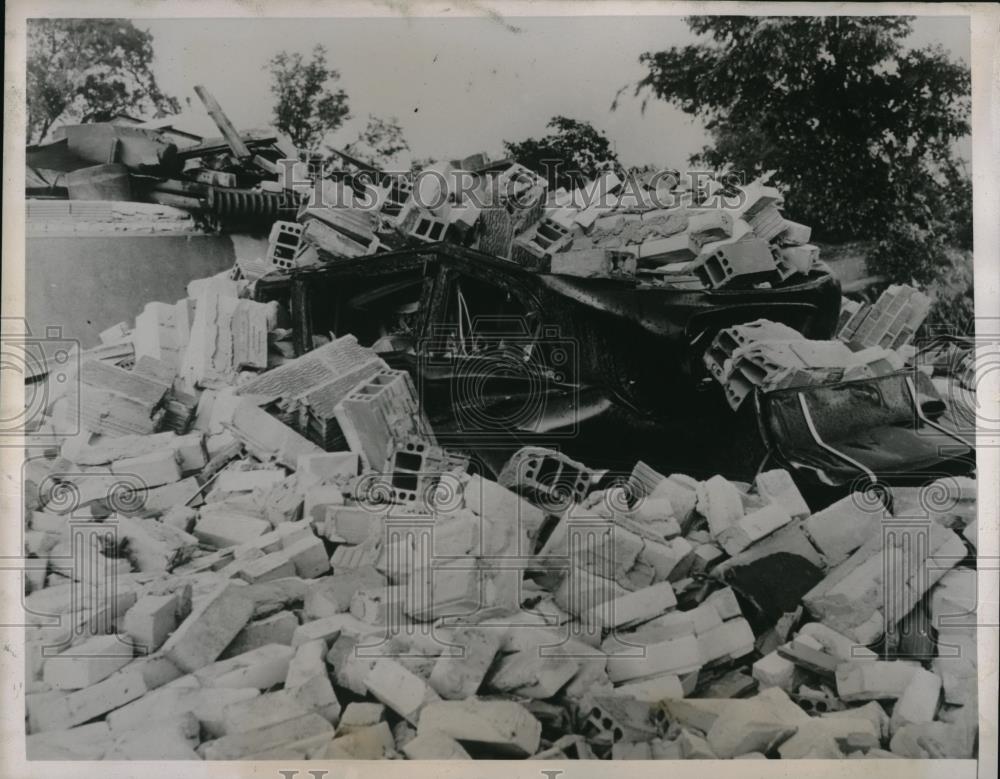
(872, 340)
(208, 581)
(619, 227)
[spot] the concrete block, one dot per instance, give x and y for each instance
(378, 411)
(236, 746)
(693, 747)
(434, 746)
(652, 690)
(308, 557)
(274, 707)
(332, 594)
(370, 743)
(212, 624)
(772, 670)
(777, 486)
(59, 712)
(836, 644)
(326, 467)
(308, 663)
(261, 668)
(857, 599)
(173, 739)
(823, 735)
(506, 728)
(730, 640)
(841, 528)
(677, 656)
(634, 607)
(319, 501)
(532, 674)
(87, 663)
(871, 711)
(85, 742)
(152, 619)
(756, 724)
(153, 470)
(268, 567)
(919, 701)
(276, 629)
(221, 527)
(725, 603)
(874, 680)
(360, 715)
(330, 628)
(458, 673)
(401, 690)
(720, 503)
(752, 528)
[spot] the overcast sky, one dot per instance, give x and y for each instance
(458, 86)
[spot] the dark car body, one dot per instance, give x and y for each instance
(608, 370)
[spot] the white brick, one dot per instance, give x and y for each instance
(732, 639)
(505, 726)
(87, 663)
(459, 677)
(66, 711)
(263, 667)
(223, 528)
(209, 628)
(874, 680)
(434, 746)
(401, 690)
(370, 743)
(308, 663)
(275, 629)
(634, 607)
(152, 619)
(778, 487)
(154, 469)
(532, 673)
(240, 745)
(309, 557)
(653, 690)
(919, 702)
(677, 656)
(772, 670)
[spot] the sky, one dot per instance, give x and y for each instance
(460, 86)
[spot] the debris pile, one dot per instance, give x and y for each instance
(871, 341)
(615, 227)
(232, 182)
(240, 554)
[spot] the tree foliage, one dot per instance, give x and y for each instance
(570, 155)
(859, 128)
(379, 142)
(307, 107)
(89, 70)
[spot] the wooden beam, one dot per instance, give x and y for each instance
(222, 122)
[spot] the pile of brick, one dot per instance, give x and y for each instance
(872, 340)
(612, 227)
(237, 554)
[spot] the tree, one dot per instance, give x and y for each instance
(569, 156)
(379, 142)
(89, 70)
(859, 128)
(307, 109)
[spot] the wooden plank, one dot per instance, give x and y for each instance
(226, 127)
